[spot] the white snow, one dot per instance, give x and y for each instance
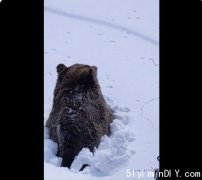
(120, 37)
(50, 150)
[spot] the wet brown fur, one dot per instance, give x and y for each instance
(80, 115)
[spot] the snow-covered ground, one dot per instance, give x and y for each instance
(121, 38)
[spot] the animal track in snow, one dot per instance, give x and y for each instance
(143, 114)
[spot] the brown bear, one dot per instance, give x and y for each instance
(79, 115)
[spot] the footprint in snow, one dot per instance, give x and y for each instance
(107, 75)
(112, 41)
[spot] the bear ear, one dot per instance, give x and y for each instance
(94, 68)
(60, 67)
